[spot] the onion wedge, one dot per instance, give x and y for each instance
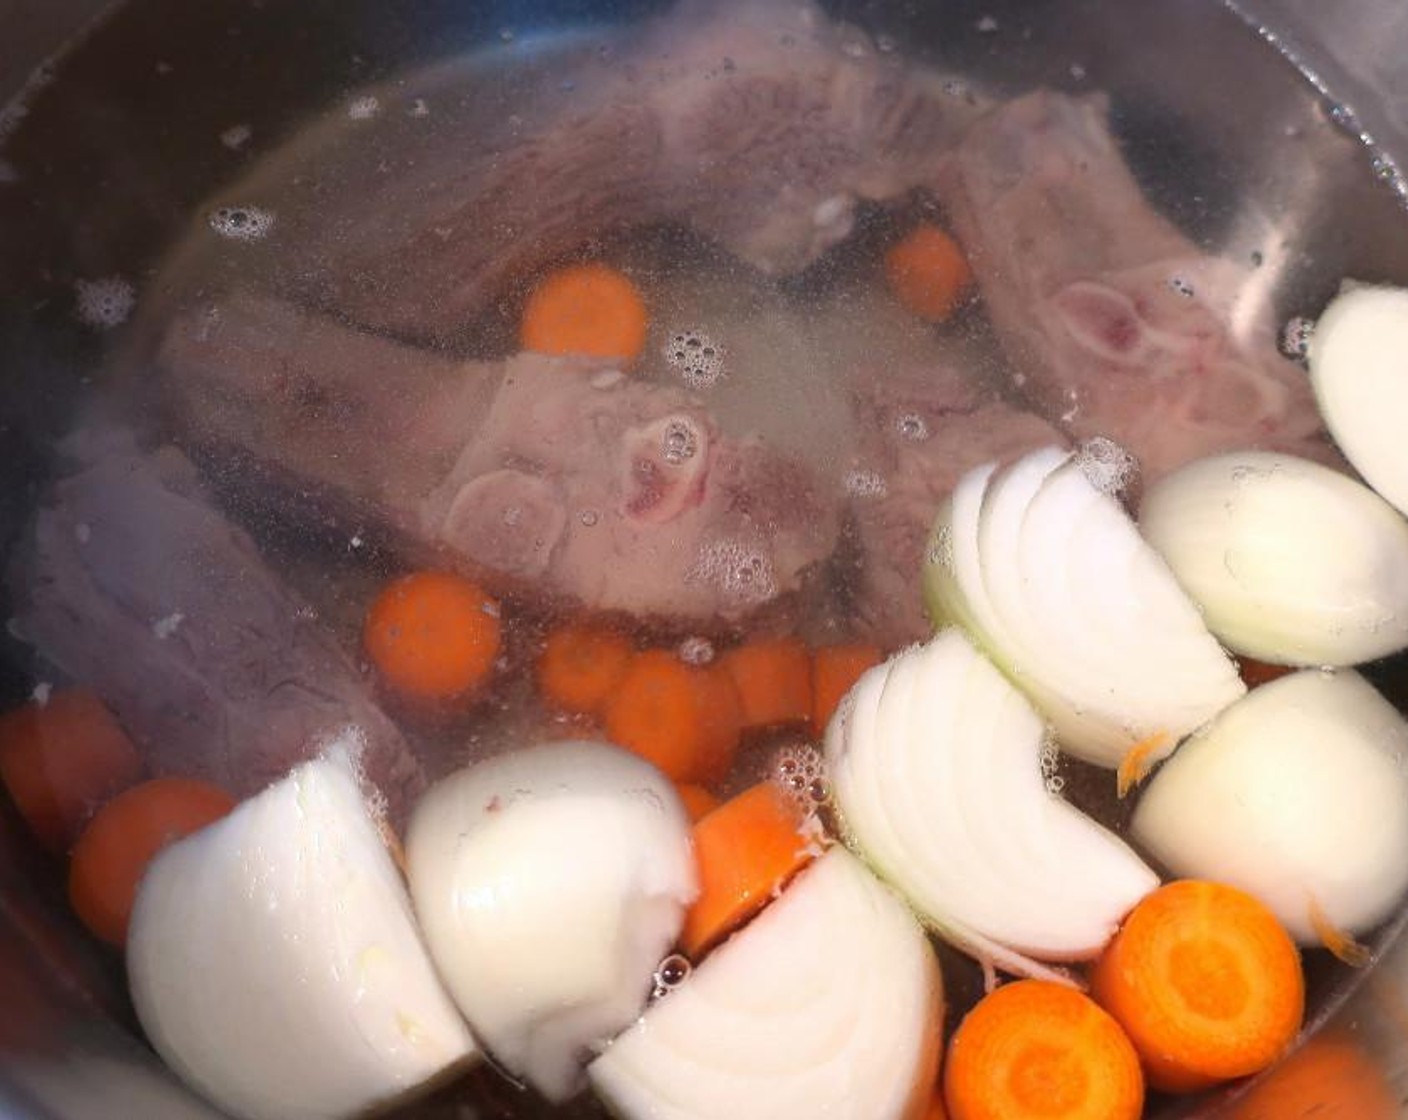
(276, 967)
(1051, 577)
(1358, 359)
(829, 1003)
(935, 762)
(1290, 561)
(551, 882)
(1298, 794)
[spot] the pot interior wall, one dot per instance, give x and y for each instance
(110, 171)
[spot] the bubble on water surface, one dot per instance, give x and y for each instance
(1182, 285)
(105, 303)
(241, 223)
(42, 691)
(695, 651)
(987, 25)
(799, 771)
(236, 136)
(940, 554)
(679, 442)
(912, 426)
(864, 483)
(1296, 336)
(1106, 465)
(589, 517)
(418, 108)
(673, 971)
(737, 568)
(698, 357)
(363, 108)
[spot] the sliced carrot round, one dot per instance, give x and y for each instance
(61, 759)
(683, 718)
(587, 309)
(124, 836)
(433, 635)
(927, 272)
(1033, 1049)
(746, 850)
(834, 670)
(773, 677)
(1205, 981)
(580, 664)
(1329, 1078)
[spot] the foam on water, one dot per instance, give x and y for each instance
(104, 303)
(1106, 465)
(241, 223)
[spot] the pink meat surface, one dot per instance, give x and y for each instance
(758, 126)
(135, 585)
(1117, 324)
(920, 431)
(563, 477)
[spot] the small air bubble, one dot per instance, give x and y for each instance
(236, 136)
(363, 108)
(1055, 785)
(912, 426)
(695, 651)
(679, 442)
(418, 108)
(941, 549)
(956, 88)
(1181, 285)
(105, 303)
(885, 44)
(42, 691)
(987, 25)
(163, 628)
(1106, 465)
(589, 517)
(861, 483)
(506, 35)
(698, 357)
(1077, 71)
(1296, 335)
(241, 223)
(673, 971)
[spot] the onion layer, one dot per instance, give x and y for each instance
(551, 882)
(1298, 794)
(275, 965)
(935, 760)
(1291, 561)
(1358, 355)
(829, 1003)
(1051, 577)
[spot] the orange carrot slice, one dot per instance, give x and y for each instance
(747, 849)
(683, 718)
(585, 309)
(124, 836)
(1035, 1048)
(1206, 983)
(1138, 761)
(774, 681)
(1329, 1078)
(580, 664)
(936, 1109)
(927, 272)
(698, 802)
(834, 670)
(433, 636)
(62, 759)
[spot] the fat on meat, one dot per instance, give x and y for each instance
(133, 583)
(560, 475)
(1117, 324)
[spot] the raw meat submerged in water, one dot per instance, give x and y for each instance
(564, 475)
(1121, 326)
(134, 585)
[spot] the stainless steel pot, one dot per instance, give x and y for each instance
(119, 148)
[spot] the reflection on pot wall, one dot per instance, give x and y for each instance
(121, 157)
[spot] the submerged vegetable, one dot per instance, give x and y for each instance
(1289, 560)
(935, 763)
(1298, 794)
(550, 882)
(1049, 574)
(829, 1003)
(275, 965)
(1034, 1050)
(1206, 983)
(113, 852)
(586, 309)
(1358, 357)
